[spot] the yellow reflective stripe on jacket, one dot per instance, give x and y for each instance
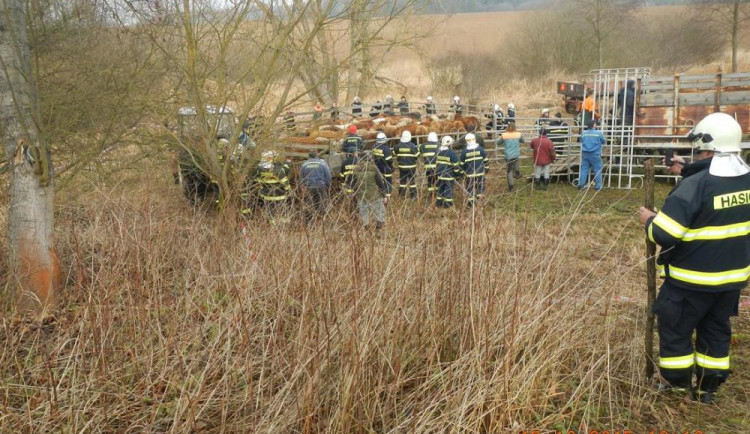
(681, 362)
(669, 225)
(475, 175)
(718, 232)
(709, 279)
(273, 198)
(705, 361)
(651, 233)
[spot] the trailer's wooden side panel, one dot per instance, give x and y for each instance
(670, 106)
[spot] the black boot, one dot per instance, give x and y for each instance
(545, 184)
(537, 183)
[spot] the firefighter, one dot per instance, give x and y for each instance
(289, 123)
(511, 114)
(271, 179)
(428, 152)
(383, 157)
(347, 172)
(496, 121)
(558, 130)
(543, 121)
(447, 172)
(429, 107)
(357, 107)
(388, 106)
(473, 161)
(456, 108)
(352, 143)
(704, 235)
(406, 160)
(375, 109)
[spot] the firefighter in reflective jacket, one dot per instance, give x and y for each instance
(271, 180)
(347, 172)
(352, 143)
(704, 233)
(406, 160)
(383, 158)
(473, 161)
(447, 172)
(428, 151)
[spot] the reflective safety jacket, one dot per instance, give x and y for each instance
(357, 108)
(406, 155)
(347, 172)
(473, 162)
(428, 151)
(558, 131)
(704, 231)
(383, 157)
(272, 181)
(352, 144)
(447, 165)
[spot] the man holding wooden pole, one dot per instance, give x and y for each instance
(704, 233)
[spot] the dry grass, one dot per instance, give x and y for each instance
(168, 322)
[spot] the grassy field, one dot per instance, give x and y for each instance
(526, 315)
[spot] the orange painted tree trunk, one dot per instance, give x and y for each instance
(30, 215)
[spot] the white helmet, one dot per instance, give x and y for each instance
(545, 111)
(267, 156)
(429, 98)
(432, 137)
(470, 138)
(456, 98)
(406, 136)
(511, 106)
(447, 141)
(356, 99)
(717, 132)
(388, 97)
(381, 138)
(497, 107)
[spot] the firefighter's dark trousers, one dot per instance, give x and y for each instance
(407, 181)
(387, 184)
(682, 311)
(474, 188)
(445, 193)
(432, 178)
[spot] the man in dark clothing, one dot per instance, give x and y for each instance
(473, 161)
(357, 107)
(352, 143)
(375, 109)
(334, 112)
(496, 121)
(456, 108)
(511, 119)
(448, 171)
(346, 173)
(428, 151)
(626, 102)
(389, 108)
(383, 158)
(704, 235)
(406, 159)
(403, 106)
(558, 130)
(315, 177)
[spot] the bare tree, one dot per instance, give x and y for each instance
(30, 218)
(728, 17)
(601, 19)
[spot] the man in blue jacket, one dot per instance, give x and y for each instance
(315, 177)
(511, 141)
(592, 141)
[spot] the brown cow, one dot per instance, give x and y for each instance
(467, 120)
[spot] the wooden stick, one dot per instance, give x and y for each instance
(650, 274)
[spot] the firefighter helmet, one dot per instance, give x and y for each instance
(429, 98)
(456, 98)
(717, 132)
(511, 106)
(406, 137)
(447, 141)
(432, 137)
(470, 138)
(352, 129)
(381, 138)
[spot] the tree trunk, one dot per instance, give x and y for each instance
(735, 33)
(32, 255)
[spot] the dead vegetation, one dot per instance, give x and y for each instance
(172, 321)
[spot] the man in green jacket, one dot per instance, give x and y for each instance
(368, 189)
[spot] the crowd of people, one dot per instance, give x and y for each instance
(369, 177)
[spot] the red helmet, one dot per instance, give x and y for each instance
(352, 129)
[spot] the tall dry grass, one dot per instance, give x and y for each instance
(169, 322)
